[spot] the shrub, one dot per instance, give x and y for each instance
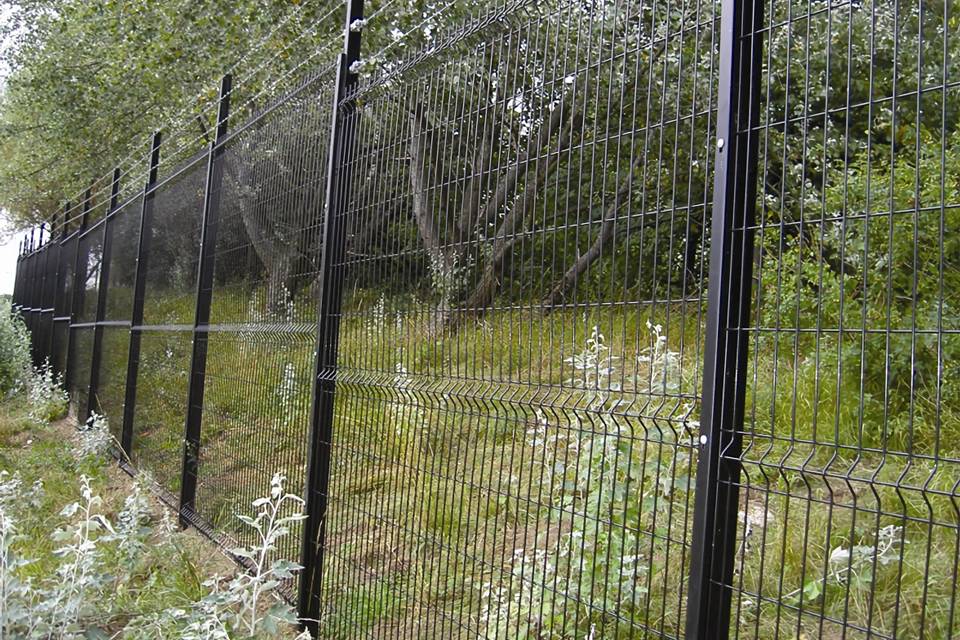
(14, 351)
(47, 397)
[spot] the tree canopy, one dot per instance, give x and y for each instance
(89, 80)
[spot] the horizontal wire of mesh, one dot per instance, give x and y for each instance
(848, 522)
(518, 374)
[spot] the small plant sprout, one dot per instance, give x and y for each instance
(80, 580)
(94, 438)
(594, 369)
(274, 516)
(46, 395)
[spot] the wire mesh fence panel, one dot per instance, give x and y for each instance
(86, 276)
(848, 510)
(125, 231)
(498, 221)
(91, 252)
(109, 400)
(64, 307)
(61, 333)
(517, 384)
(48, 285)
(171, 264)
(160, 408)
(81, 347)
(163, 366)
(262, 335)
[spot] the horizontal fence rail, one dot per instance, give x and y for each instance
(566, 319)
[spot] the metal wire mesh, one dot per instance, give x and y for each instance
(848, 524)
(511, 451)
(125, 231)
(256, 419)
(457, 289)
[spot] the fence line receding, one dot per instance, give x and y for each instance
(571, 320)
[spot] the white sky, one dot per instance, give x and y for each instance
(8, 262)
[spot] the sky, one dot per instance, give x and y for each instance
(8, 262)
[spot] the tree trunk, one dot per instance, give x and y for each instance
(422, 200)
(582, 263)
(506, 237)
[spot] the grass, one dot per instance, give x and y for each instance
(476, 490)
(46, 453)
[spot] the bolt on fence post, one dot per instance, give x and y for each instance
(198, 361)
(136, 313)
(97, 356)
(76, 301)
(729, 293)
(328, 329)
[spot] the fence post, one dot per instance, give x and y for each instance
(39, 276)
(729, 293)
(76, 300)
(328, 329)
(136, 314)
(59, 285)
(97, 356)
(49, 279)
(198, 361)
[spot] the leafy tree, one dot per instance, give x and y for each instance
(90, 80)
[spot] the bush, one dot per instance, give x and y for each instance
(14, 351)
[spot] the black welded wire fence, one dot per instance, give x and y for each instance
(572, 319)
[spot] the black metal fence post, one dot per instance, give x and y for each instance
(46, 291)
(321, 428)
(729, 294)
(136, 314)
(76, 301)
(97, 355)
(198, 362)
(59, 293)
(39, 278)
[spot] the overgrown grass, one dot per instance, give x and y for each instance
(486, 480)
(168, 575)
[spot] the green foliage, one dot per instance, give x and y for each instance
(47, 398)
(90, 80)
(14, 351)
(602, 562)
(881, 255)
(66, 545)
